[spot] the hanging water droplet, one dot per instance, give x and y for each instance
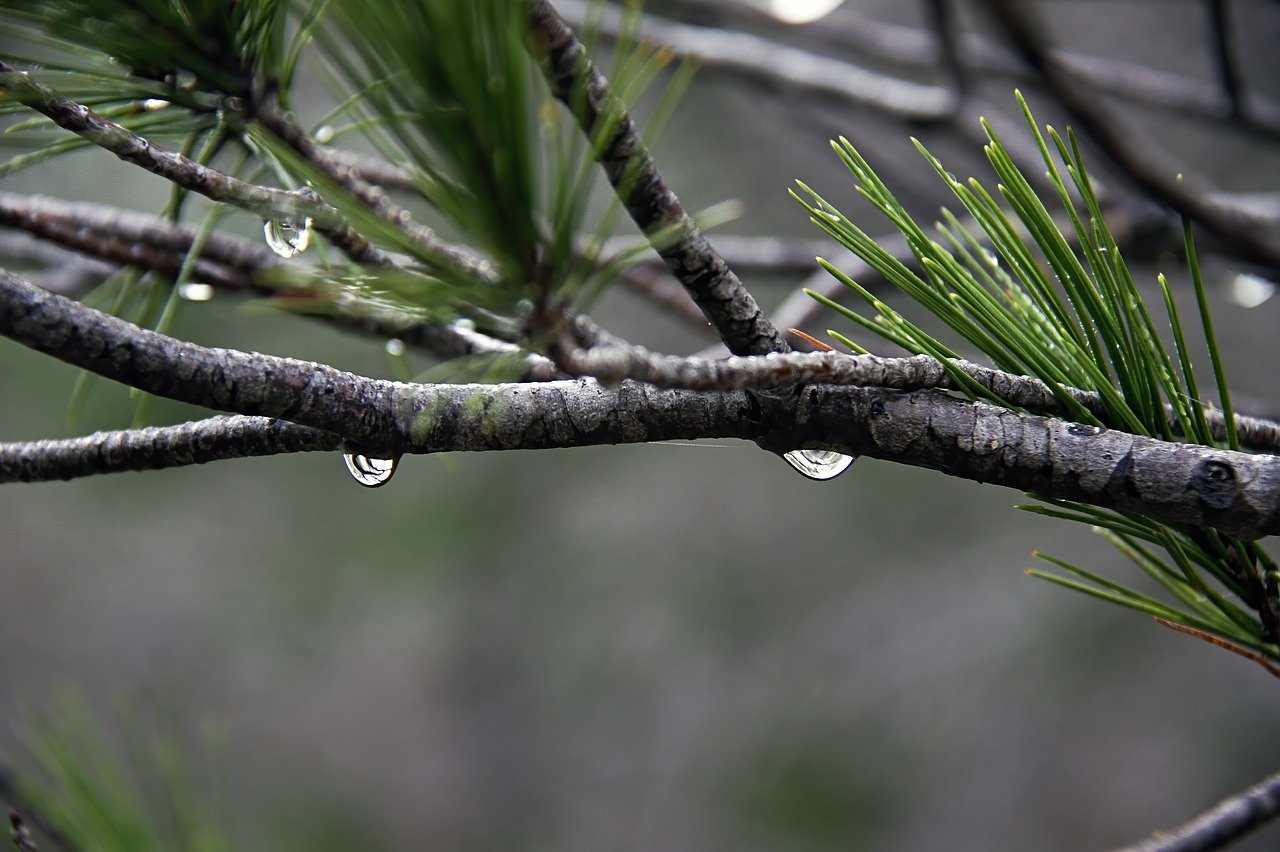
(324, 134)
(194, 291)
(286, 237)
(154, 104)
(395, 347)
(819, 464)
(368, 471)
(1249, 291)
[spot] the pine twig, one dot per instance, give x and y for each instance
(185, 172)
(374, 197)
(214, 439)
(227, 262)
(1223, 824)
(653, 206)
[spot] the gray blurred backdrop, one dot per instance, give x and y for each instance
(644, 647)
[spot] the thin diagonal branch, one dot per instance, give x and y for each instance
(1140, 160)
(1223, 824)
(185, 172)
(374, 197)
(215, 439)
(655, 208)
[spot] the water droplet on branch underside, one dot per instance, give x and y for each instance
(287, 236)
(369, 471)
(819, 464)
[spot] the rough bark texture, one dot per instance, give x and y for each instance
(1174, 483)
(209, 440)
(1234, 492)
(654, 207)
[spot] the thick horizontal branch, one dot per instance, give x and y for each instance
(215, 439)
(267, 202)
(1172, 483)
(653, 206)
(1221, 825)
(611, 363)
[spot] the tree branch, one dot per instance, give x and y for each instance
(1221, 825)
(185, 172)
(132, 239)
(1234, 492)
(761, 59)
(215, 439)
(652, 205)
(1140, 161)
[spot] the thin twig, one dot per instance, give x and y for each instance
(1219, 642)
(185, 172)
(1224, 56)
(653, 206)
(214, 439)
(1223, 824)
(440, 253)
(230, 263)
(1140, 159)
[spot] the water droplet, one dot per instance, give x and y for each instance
(819, 464)
(286, 237)
(368, 471)
(154, 104)
(1084, 431)
(324, 134)
(990, 257)
(194, 291)
(395, 347)
(1249, 291)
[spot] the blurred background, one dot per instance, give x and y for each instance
(666, 646)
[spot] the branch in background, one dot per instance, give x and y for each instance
(652, 205)
(215, 439)
(1221, 825)
(232, 263)
(57, 269)
(942, 18)
(904, 44)
(1224, 56)
(1139, 159)
(762, 59)
(1234, 492)
(185, 172)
